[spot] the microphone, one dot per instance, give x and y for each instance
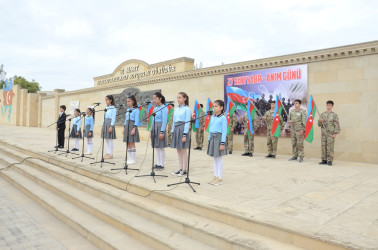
(97, 103)
(210, 112)
(68, 115)
(121, 105)
(148, 102)
(170, 102)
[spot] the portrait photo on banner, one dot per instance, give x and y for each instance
(262, 87)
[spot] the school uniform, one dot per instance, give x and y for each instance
(131, 122)
(180, 127)
(61, 126)
(110, 118)
(88, 127)
(159, 124)
(217, 135)
(75, 127)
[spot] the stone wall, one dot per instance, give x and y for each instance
(348, 75)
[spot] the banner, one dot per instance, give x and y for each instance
(289, 83)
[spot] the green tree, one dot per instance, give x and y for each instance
(32, 86)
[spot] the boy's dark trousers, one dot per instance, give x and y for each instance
(61, 137)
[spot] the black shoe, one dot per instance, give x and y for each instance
(159, 168)
(272, 156)
(330, 163)
(156, 166)
(177, 172)
(293, 158)
(268, 156)
(182, 173)
(197, 148)
(56, 147)
(323, 162)
(245, 154)
(230, 152)
(300, 159)
(250, 155)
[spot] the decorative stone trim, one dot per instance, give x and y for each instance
(361, 49)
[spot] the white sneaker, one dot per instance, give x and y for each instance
(129, 162)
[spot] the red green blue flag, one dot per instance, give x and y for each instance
(141, 113)
(209, 107)
(149, 119)
(229, 111)
(276, 126)
(170, 111)
(311, 111)
(250, 115)
(196, 113)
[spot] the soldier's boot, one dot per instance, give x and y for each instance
(294, 158)
(272, 156)
(323, 162)
(300, 159)
(250, 155)
(268, 156)
(245, 154)
(230, 152)
(330, 163)
(199, 148)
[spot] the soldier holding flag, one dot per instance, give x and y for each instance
(271, 138)
(297, 121)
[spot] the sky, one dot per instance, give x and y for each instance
(64, 44)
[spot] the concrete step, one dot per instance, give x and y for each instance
(99, 233)
(211, 232)
(142, 229)
(246, 227)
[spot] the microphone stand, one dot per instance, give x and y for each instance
(187, 180)
(68, 140)
(82, 148)
(103, 142)
(125, 165)
(152, 174)
(56, 147)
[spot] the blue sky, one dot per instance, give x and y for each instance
(64, 44)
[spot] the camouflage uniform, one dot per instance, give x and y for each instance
(230, 137)
(169, 128)
(271, 140)
(329, 127)
(298, 119)
(249, 143)
(200, 131)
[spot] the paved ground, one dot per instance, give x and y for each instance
(24, 224)
(338, 203)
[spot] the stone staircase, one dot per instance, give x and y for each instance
(98, 207)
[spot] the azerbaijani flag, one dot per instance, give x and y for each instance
(141, 113)
(209, 107)
(238, 96)
(251, 115)
(170, 111)
(196, 112)
(311, 111)
(229, 111)
(150, 111)
(276, 127)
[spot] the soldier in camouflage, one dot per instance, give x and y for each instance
(230, 136)
(271, 140)
(297, 121)
(330, 127)
(249, 141)
(169, 128)
(200, 131)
